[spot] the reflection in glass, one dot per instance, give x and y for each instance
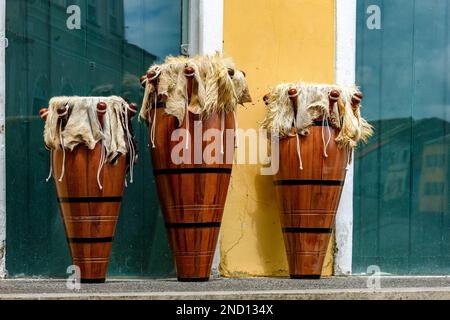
(117, 42)
(401, 202)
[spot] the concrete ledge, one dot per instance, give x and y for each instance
(387, 294)
(339, 288)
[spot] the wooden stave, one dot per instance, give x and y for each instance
(193, 260)
(89, 223)
(306, 249)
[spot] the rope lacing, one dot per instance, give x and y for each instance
(102, 154)
(130, 141)
(61, 140)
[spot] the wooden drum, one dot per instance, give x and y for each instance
(308, 199)
(89, 212)
(192, 196)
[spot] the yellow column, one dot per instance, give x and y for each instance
(273, 41)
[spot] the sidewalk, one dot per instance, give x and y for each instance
(242, 289)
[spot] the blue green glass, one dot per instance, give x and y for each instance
(401, 196)
(117, 42)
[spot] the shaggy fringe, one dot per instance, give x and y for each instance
(83, 126)
(213, 89)
(313, 102)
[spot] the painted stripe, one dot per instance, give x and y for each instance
(193, 225)
(306, 276)
(307, 230)
(158, 172)
(193, 279)
(87, 281)
(301, 182)
(90, 240)
(89, 199)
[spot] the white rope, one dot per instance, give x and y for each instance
(187, 117)
(153, 128)
(101, 164)
(222, 130)
(157, 71)
(102, 150)
(299, 150)
(130, 143)
(349, 158)
(236, 132)
(61, 140)
(325, 144)
(51, 166)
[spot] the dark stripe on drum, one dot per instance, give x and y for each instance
(193, 279)
(307, 230)
(158, 172)
(87, 281)
(320, 123)
(194, 225)
(301, 182)
(91, 240)
(89, 199)
(306, 276)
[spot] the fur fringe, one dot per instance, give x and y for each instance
(313, 103)
(83, 127)
(213, 90)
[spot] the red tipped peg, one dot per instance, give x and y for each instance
(189, 71)
(334, 95)
(132, 110)
(62, 111)
(151, 75)
(142, 80)
(356, 100)
(101, 109)
(292, 93)
(43, 114)
(266, 98)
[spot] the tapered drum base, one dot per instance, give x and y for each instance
(308, 199)
(89, 214)
(192, 196)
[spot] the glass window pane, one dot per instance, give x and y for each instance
(401, 203)
(117, 42)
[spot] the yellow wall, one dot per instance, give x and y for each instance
(273, 41)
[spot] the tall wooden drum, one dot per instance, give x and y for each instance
(193, 194)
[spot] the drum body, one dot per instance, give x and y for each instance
(89, 214)
(192, 195)
(308, 199)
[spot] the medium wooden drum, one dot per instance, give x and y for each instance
(308, 198)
